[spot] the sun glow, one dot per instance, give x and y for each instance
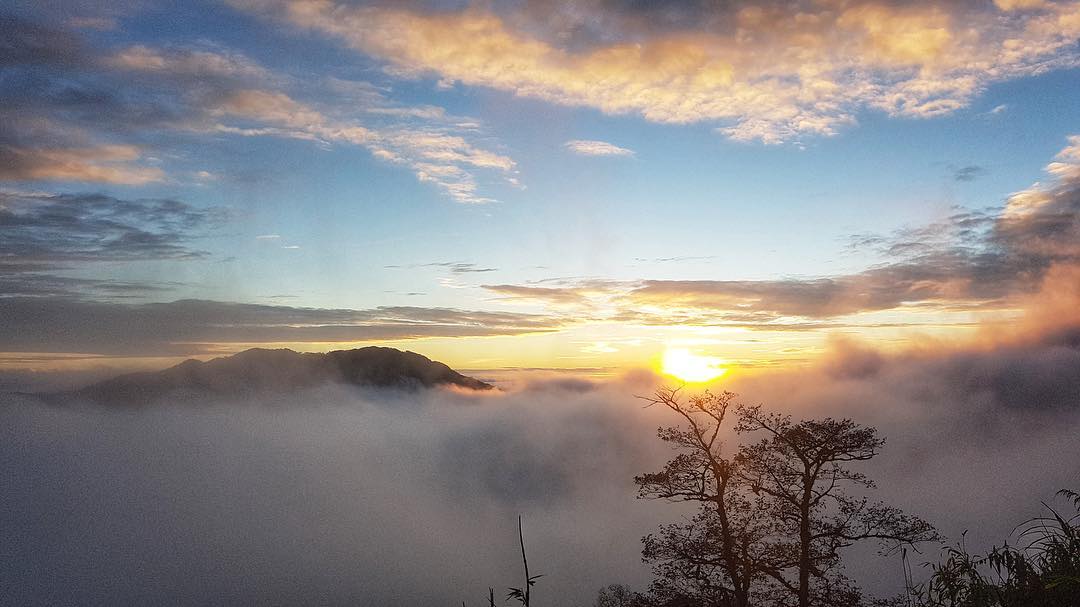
(690, 367)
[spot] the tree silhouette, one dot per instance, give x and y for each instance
(774, 515)
(717, 556)
(803, 469)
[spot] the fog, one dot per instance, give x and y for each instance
(333, 496)
(364, 497)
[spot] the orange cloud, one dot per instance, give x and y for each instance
(102, 164)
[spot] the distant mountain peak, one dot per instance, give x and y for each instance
(269, 371)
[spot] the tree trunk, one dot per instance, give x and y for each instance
(804, 542)
(741, 597)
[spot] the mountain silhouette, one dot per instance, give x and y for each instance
(261, 371)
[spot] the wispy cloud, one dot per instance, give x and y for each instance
(586, 147)
(455, 267)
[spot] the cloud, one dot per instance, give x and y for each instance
(968, 173)
(350, 496)
(446, 160)
(42, 235)
(357, 496)
(28, 43)
(188, 327)
(972, 422)
(586, 147)
(455, 267)
(1016, 5)
(101, 164)
(188, 62)
(771, 72)
(969, 261)
(552, 295)
(51, 230)
(72, 112)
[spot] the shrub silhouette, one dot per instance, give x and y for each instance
(1041, 570)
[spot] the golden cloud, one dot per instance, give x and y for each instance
(777, 74)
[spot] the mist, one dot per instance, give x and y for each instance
(333, 496)
(342, 495)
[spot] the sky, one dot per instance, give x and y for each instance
(533, 184)
(845, 208)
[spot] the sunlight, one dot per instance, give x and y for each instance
(690, 367)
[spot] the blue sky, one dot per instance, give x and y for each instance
(332, 162)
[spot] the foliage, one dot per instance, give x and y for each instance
(1042, 570)
(617, 595)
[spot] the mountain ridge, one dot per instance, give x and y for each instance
(265, 371)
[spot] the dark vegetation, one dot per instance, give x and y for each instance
(776, 511)
(1041, 569)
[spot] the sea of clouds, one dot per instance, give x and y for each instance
(343, 495)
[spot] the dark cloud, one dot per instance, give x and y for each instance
(65, 228)
(59, 324)
(41, 235)
(73, 112)
(29, 43)
(65, 105)
(969, 173)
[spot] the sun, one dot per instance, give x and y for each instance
(690, 367)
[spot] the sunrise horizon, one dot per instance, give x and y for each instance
(692, 303)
